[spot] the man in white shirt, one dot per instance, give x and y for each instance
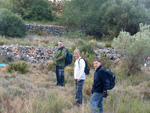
(79, 76)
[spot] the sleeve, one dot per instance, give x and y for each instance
(63, 55)
(82, 67)
(54, 57)
(105, 79)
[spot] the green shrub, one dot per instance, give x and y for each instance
(104, 15)
(87, 51)
(2, 42)
(40, 11)
(108, 44)
(136, 48)
(20, 66)
(11, 25)
(37, 10)
(69, 70)
(50, 66)
(38, 31)
(111, 34)
(105, 61)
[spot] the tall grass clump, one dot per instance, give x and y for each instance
(52, 104)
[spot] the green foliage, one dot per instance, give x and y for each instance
(4, 4)
(136, 48)
(38, 31)
(87, 51)
(21, 67)
(37, 10)
(40, 11)
(2, 42)
(108, 44)
(111, 34)
(50, 66)
(105, 61)
(103, 16)
(11, 25)
(69, 70)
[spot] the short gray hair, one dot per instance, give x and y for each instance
(77, 51)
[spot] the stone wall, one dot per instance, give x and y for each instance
(43, 54)
(53, 29)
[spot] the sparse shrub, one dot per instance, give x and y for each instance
(74, 34)
(90, 58)
(20, 66)
(136, 48)
(69, 70)
(11, 25)
(55, 43)
(16, 91)
(108, 44)
(88, 85)
(111, 34)
(105, 60)
(46, 41)
(85, 47)
(87, 51)
(38, 31)
(2, 43)
(50, 66)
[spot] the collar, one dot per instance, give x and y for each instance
(61, 47)
(98, 68)
(79, 58)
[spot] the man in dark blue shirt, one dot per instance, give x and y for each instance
(100, 86)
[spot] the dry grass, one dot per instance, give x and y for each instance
(30, 93)
(34, 92)
(36, 40)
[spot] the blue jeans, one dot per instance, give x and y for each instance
(96, 102)
(60, 75)
(79, 87)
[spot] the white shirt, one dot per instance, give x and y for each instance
(79, 69)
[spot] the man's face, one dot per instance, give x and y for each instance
(96, 64)
(76, 55)
(60, 44)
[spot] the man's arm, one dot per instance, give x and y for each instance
(82, 67)
(105, 79)
(63, 55)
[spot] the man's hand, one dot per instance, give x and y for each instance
(78, 80)
(105, 94)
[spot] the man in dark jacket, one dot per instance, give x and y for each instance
(99, 90)
(59, 61)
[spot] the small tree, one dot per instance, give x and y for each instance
(136, 47)
(11, 25)
(32, 9)
(40, 11)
